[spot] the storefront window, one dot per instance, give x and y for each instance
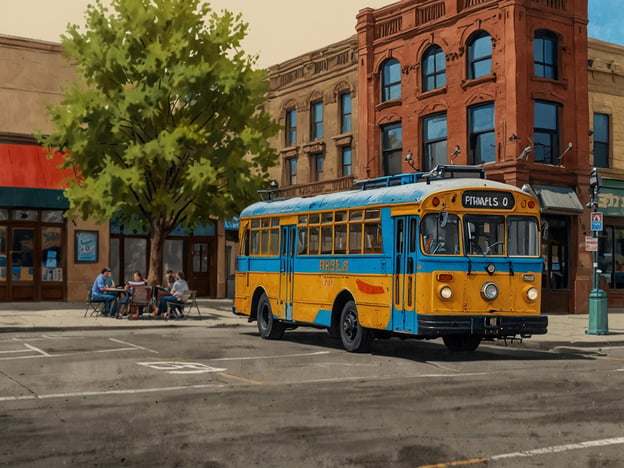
(52, 216)
(52, 249)
(22, 266)
(3, 252)
(25, 215)
(611, 257)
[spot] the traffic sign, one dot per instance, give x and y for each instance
(596, 221)
(591, 244)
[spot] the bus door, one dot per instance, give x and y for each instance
(287, 261)
(404, 277)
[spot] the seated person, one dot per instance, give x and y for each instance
(137, 280)
(100, 292)
(175, 296)
(165, 290)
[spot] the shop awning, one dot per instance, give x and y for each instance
(558, 200)
(29, 179)
(231, 224)
(46, 199)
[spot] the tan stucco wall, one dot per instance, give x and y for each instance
(606, 92)
(31, 75)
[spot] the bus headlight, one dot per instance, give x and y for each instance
(532, 294)
(446, 293)
(489, 291)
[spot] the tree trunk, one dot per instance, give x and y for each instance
(157, 246)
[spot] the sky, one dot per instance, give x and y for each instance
(276, 32)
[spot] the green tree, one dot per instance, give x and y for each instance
(164, 126)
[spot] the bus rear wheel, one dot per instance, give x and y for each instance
(355, 338)
(268, 327)
(462, 343)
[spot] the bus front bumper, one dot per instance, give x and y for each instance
(484, 325)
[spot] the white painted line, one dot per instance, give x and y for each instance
(561, 448)
(40, 351)
(247, 358)
(133, 345)
(109, 392)
(12, 351)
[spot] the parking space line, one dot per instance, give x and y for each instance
(280, 356)
(134, 345)
(532, 453)
(110, 392)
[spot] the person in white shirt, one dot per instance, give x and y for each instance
(175, 296)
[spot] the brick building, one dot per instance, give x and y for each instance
(500, 83)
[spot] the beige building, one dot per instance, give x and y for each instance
(44, 255)
(606, 101)
(313, 97)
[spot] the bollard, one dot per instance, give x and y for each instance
(598, 313)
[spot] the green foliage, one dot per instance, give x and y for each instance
(164, 127)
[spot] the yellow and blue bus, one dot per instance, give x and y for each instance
(445, 254)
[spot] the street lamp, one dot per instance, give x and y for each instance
(598, 311)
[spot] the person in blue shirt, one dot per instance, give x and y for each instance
(100, 292)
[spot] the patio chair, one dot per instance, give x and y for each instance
(189, 300)
(95, 307)
(141, 298)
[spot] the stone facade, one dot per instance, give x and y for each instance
(323, 76)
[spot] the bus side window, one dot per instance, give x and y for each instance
(372, 237)
(302, 241)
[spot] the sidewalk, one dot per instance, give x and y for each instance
(565, 331)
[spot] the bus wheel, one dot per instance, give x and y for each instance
(458, 343)
(355, 338)
(268, 327)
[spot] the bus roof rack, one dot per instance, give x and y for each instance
(444, 171)
(438, 172)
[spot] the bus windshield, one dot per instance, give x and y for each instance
(485, 235)
(440, 234)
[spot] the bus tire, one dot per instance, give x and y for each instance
(462, 343)
(355, 338)
(268, 327)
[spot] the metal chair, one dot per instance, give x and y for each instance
(189, 298)
(141, 297)
(94, 306)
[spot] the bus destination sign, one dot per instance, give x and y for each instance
(488, 200)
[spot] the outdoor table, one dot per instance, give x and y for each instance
(118, 292)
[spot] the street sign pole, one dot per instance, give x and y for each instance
(598, 310)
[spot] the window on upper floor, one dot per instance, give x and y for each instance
(479, 55)
(291, 127)
(434, 141)
(482, 135)
(390, 80)
(433, 68)
(545, 54)
(345, 112)
(601, 140)
(316, 129)
(392, 148)
(347, 162)
(291, 168)
(318, 165)
(546, 132)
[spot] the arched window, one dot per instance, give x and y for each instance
(390, 80)
(479, 55)
(434, 68)
(545, 52)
